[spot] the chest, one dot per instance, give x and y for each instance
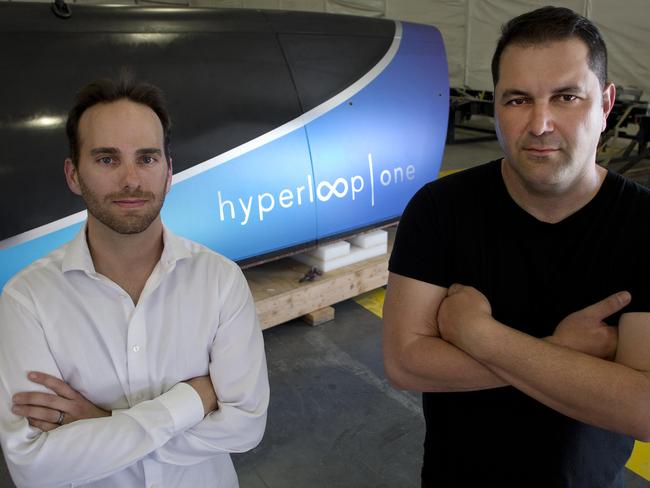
(535, 275)
(118, 354)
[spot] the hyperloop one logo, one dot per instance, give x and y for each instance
(245, 209)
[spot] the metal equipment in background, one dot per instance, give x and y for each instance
(465, 103)
(624, 143)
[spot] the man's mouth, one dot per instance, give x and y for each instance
(130, 202)
(540, 150)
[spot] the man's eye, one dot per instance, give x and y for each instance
(148, 159)
(516, 101)
(106, 160)
(568, 98)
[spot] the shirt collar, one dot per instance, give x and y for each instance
(77, 254)
(174, 249)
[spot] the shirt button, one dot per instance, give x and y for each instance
(135, 348)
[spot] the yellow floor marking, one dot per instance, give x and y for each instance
(639, 462)
(372, 301)
(448, 172)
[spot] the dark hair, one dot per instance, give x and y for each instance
(106, 90)
(549, 24)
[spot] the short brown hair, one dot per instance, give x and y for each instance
(106, 90)
(549, 24)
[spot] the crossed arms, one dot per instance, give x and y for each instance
(447, 340)
(171, 428)
(48, 411)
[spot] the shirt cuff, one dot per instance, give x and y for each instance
(171, 413)
(184, 405)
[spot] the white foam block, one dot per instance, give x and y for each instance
(370, 239)
(356, 254)
(330, 251)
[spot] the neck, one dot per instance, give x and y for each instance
(554, 203)
(126, 259)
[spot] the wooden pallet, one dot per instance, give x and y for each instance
(280, 297)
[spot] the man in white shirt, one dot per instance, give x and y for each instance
(128, 357)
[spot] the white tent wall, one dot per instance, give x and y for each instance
(483, 28)
(626, 29)
(470, 28)
(373, 8)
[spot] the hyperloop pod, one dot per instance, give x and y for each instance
(289, 128)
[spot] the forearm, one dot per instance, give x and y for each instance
(432, 364)
(95, 448)
(239, 377)
(228, 430)
(233, 424)
(592, 390)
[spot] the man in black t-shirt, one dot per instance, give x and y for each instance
(513, 301)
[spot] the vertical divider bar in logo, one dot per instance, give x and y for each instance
(372, 180)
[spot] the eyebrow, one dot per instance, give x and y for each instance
(149, 150)
(514, 93)
(113, 150)
(571, 89)
(104, 150)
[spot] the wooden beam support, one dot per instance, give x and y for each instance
(319, 316)
(279, 297)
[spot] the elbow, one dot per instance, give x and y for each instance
(642, 433)
(257, 434)
(405, 372)
(248, 425)
(639, 427)
(644, 437)
(25, 450)
(394, 375)
(26, 471)
(401, 379)
(642, 430)
(255, 428)
(642, 423)
(396, 370)
(23, 479)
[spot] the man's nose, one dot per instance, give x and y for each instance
(541, 119)
(130, 175)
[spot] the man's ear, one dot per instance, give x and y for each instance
(609, 95)
(71, 176)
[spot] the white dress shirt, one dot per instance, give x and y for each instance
(195, 317)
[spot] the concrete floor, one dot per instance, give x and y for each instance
(334, 420)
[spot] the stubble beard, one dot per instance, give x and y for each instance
(132, 223)
(551, 170)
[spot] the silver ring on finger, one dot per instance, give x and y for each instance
(61, 418)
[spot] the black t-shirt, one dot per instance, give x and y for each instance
(465, 228)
